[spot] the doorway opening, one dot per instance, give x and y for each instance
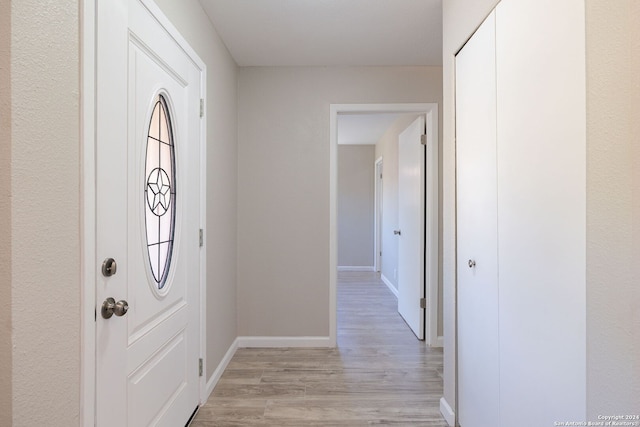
(378, 259)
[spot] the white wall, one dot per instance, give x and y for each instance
(283, 182)
(355, 205)
(221, 227)
(387, 148)
(613, 207)
(45, 212)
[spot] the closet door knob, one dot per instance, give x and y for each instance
(472, 263)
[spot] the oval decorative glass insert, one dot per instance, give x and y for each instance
(160, 191)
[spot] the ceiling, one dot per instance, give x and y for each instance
(329, 32)
(365, 128)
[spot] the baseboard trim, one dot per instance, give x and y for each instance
(439, 342)
(447, 412)
(389, 285)
(283, 342)
(215, 377)
(356, 268)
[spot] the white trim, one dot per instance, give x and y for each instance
(333, 223)
(431, 258)
(439, 342)
(217, 374)
(204, 386)
(389, 285)
(378, 170)
(284, 342)
(356, 268)
(431, 110)
(447, 412)
(88, 213)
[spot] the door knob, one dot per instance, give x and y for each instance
(472, 263)
(397, 232)
(111, 307)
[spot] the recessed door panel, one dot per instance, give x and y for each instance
(160, 379)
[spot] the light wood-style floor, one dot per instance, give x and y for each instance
(379, 374)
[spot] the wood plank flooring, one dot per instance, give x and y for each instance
(379, 374)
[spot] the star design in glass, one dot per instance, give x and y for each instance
(158, 191)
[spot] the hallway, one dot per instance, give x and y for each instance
(380, 374)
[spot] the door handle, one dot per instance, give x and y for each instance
(111, 307)
(397, 232)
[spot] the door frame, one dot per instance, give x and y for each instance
(377, 215)
(89, 267)
(430, 110)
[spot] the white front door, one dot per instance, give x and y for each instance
(477, 232)
(411, 219)
(148, 219)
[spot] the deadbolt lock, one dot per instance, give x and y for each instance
(109, 267)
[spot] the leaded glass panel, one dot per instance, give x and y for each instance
(160, 191)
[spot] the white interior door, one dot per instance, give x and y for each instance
(411, 220)
(148, 210)
(477, 233)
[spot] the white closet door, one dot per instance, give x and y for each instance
(477, 262)
(540, 59)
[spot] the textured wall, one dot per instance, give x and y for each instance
(355, 205)
(5, 212)
(613, 207)
(45, 218)
(283, 183)
(221, 229)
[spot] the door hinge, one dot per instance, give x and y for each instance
(423, 303)
(201, 237)
(201, 107)
(200, 367)
(423, 139)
